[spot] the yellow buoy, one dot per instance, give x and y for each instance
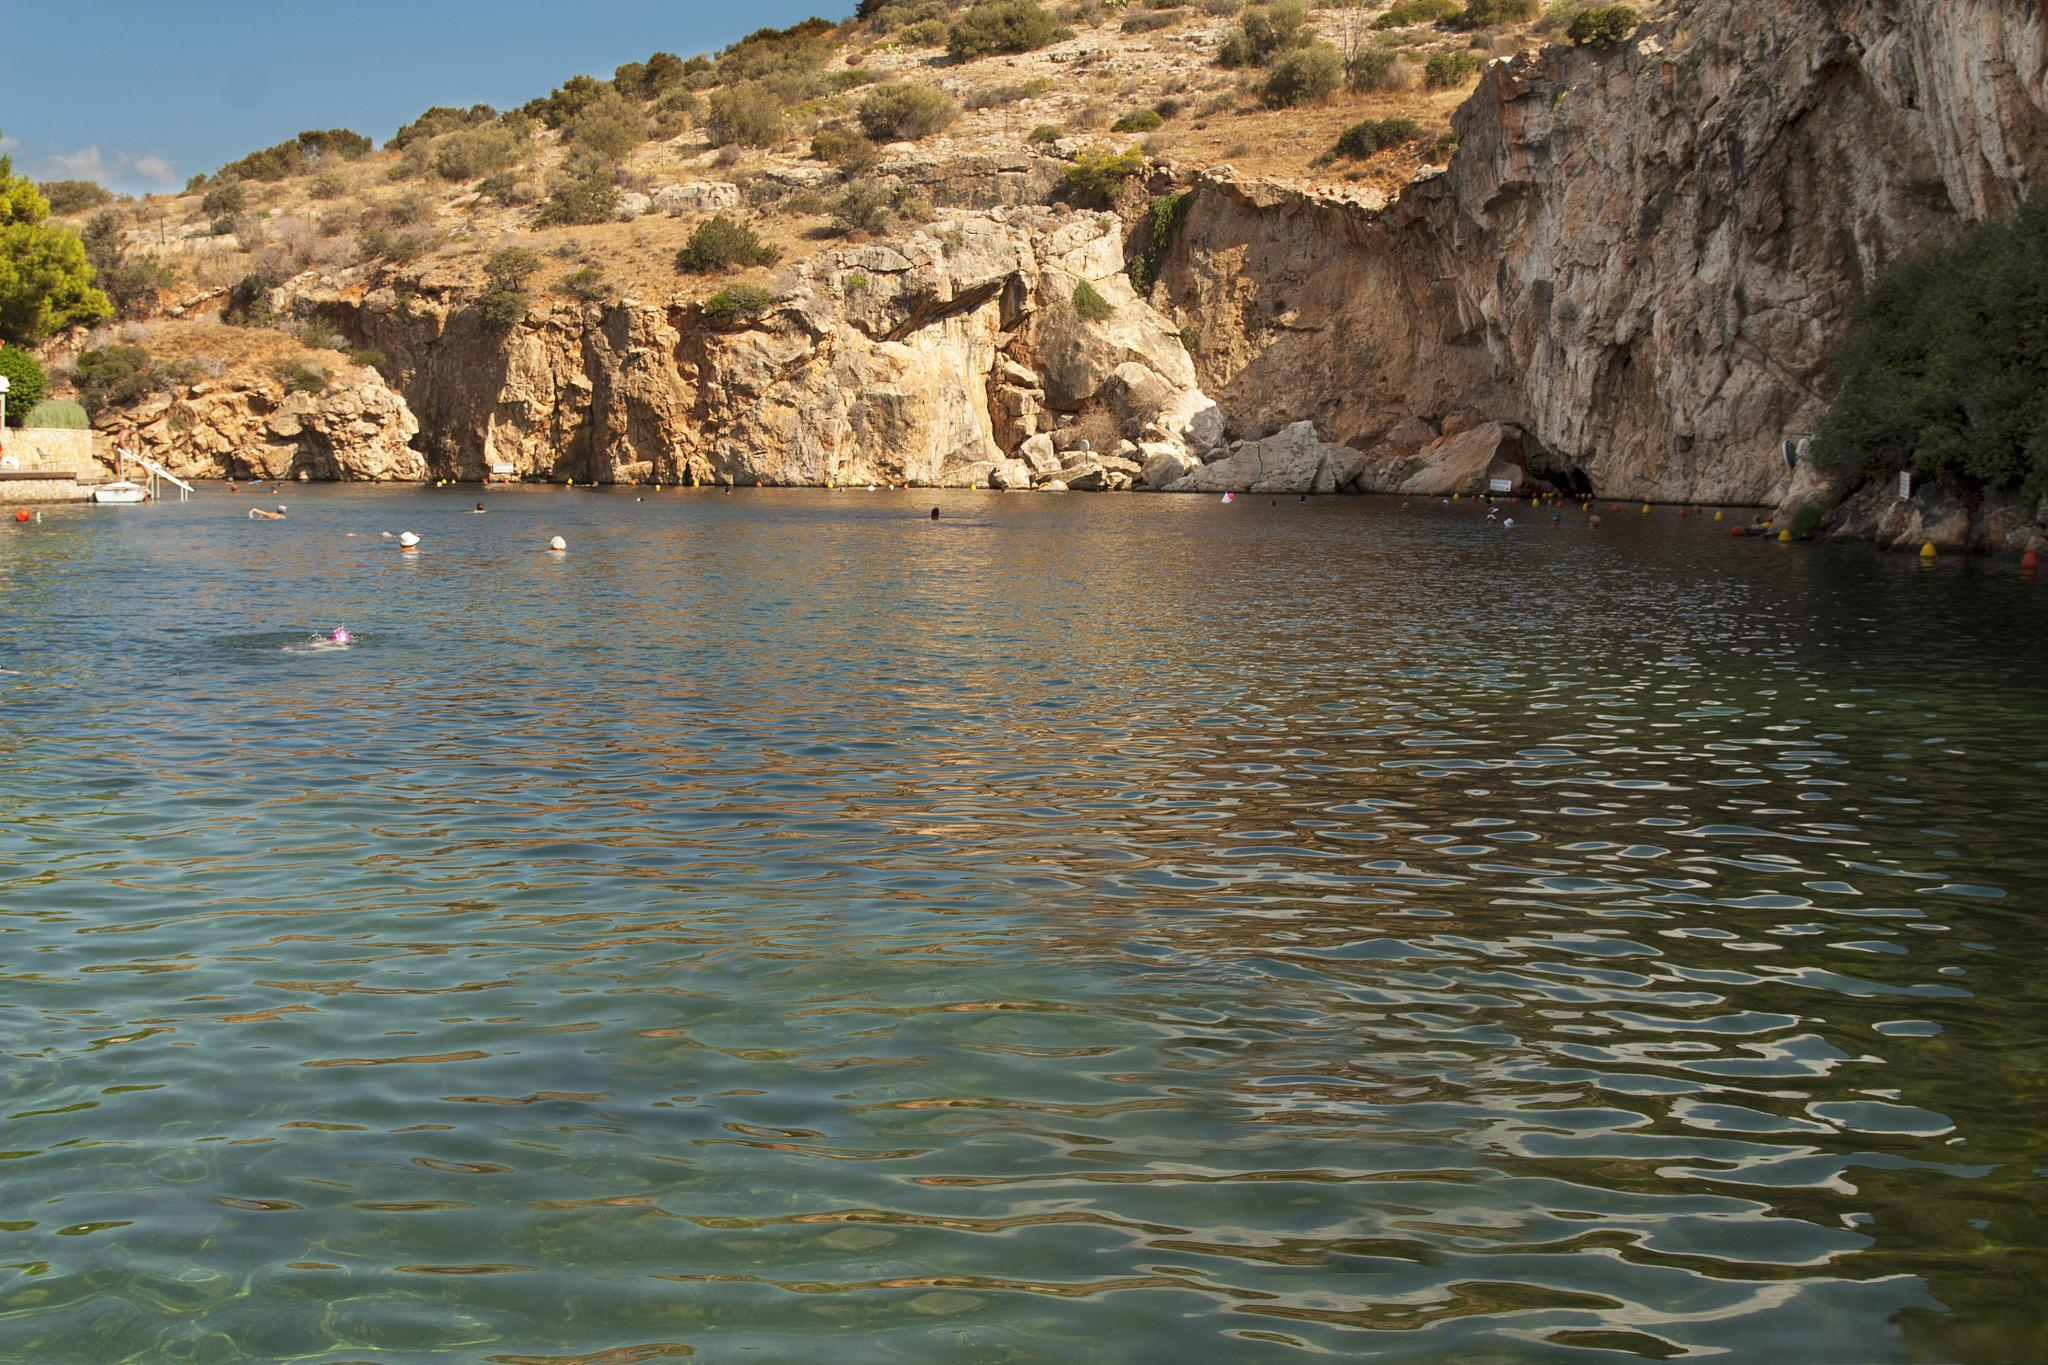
(1927, 550)
(1784, 537)
(1717, 516)
(1646, 507)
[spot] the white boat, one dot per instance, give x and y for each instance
(121, 490)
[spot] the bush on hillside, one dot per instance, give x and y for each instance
(25, 382)
(1265, 32)
(609, 125)
(745, 115)
(1099, 175)
(475, 152)
(1304, 75)
(75, 196)
(566, 100)
(998, 26)
(45, 279)
(905, 111)
(1479, 14)
(60, 413)
(845, 149)
(504, 303)
(783, 56)
(1376, 135)
(1376, 68)
(224, 200)
(1138, 121)
(1602, 28)
(1942, 367)
(1448, 70)
(298, 156)
(721, 243)
(1411, 13)
(113, 376)
(736, 301)
(581, 192)
(438, 120)
(585, 283)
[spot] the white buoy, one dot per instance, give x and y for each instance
(407, 540)
(558, 545)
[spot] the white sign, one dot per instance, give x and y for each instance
(501, 467)
(1905, 485)
(1501, 485)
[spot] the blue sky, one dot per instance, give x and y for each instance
(140, 95)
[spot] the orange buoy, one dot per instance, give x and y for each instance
(2030, 561)
(1735, 531)
(21, 514)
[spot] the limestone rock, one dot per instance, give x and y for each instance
(1471, 460)
(1292, 460)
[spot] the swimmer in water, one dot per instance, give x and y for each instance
(479, 507)
(935, 514)
(258, 514)
(338, 638)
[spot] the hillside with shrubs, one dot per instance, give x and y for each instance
(690, 180)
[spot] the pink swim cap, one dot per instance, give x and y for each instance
(341, 636)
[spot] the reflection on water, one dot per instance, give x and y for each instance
(1081, 929)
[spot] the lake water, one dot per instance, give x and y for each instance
(1079, 929)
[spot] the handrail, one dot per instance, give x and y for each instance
(153, 467)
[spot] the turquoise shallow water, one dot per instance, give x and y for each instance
(1080, 929)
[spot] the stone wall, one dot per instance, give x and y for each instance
(51, 448)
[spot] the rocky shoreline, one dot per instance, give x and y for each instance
(1625, 283)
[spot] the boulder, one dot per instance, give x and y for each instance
(1010, 474)
(1037, 452)
(1470, 460)
(1292, 460)
(697, 196)
(1165, 464)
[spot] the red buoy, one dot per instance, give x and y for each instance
(1735, 531)
(2030, 561)
(21, 514)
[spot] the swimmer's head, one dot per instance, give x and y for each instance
(558, 544)
(280, 507)
(341, 636)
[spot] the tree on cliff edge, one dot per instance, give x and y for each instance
(45, 281)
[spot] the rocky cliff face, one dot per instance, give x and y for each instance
(935, 360)
(251, 426)
(1641, 257)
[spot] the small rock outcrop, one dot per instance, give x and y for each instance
(248, 424)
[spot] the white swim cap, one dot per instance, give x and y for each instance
(558, 544)
(408, 539)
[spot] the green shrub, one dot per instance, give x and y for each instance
(745, 115)
(1099, 175)
(1602, 28)
(1492, 13)
(113, 376)
(720, 243)
(608, 124)
(1042, 134)
(380, 242)
(508, 267)
(75, 196)
(1448, 70)
(1942, 367)
(299, 377)
(438, 120)
(1138, 121)
(1142, 22)
(586, 284)
(328, 185)
(865, 208)
(1410, 13)
(779, 55)
(1304, 75)
(1265, 32)
(845, 149)
(475, 152)
(367, 356)
(736, 301)
(60, 413)
(503, 309)
(1157, 232)
(925, 33)
(25, 381)
(998, 26)
(674, 113)
(583, 191)
(299, 155)
(248, 303)
(904, 110)
(1089, 305)
(1806, 520)
(1375, 135)
(224, 200)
